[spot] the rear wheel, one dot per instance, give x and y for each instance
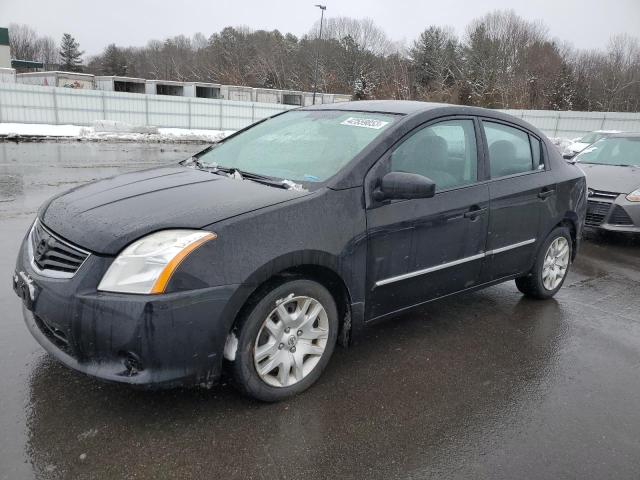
(551, 266)
(285, 341)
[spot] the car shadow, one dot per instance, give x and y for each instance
(618, 239)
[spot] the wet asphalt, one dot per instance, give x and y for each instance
(486, 385)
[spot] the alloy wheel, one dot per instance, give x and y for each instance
(556, 263)
(291, 341)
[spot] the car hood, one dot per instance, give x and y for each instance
(107, 215)
(609, 178)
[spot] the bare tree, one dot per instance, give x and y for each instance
(502, 61)
(26, 44)
(48, 52)
(22, 40)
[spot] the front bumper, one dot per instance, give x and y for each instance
(151, 340)
(615, 214)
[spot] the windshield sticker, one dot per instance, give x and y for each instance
(364, 122)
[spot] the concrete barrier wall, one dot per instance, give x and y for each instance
(21, 103)
(575, 124)
(60, 106)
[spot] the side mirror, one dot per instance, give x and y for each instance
(568, 156)
(401, 185)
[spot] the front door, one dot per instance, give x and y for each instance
(426, 248)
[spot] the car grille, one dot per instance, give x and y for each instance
(620, 217)
(596, 194)
(52, 254)
(596, 212)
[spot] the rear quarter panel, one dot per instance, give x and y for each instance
(570, 201)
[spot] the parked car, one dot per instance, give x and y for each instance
(579, 144)
(612, 168)
(271, 246)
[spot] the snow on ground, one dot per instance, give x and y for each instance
(106, 131)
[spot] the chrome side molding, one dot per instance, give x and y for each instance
(453, 263)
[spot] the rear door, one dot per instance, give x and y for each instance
(520, 189)
(426, 248)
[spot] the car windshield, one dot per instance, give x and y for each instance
(591, 137)
(303, 145)
(622, 151)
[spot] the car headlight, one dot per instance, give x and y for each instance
(634, 196)
(146, 266)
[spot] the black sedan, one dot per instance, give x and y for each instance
(259, 254)
(612, 168)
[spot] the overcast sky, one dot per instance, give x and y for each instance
(95, 23)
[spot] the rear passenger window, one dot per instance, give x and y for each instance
(444, 152)
(509, 150)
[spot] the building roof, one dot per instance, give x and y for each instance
(166, 82)
(55, 72)
(15, 63)
(119, 78)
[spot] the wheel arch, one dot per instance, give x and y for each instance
(570, 221)
(319, 266)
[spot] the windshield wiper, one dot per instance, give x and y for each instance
(242, 173)
(256, 177)
(611, 164)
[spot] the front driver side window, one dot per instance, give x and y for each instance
(444, 152)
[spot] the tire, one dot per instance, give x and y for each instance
(537, 284)
(272, 363)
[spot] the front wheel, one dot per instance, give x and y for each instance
(551, 266)
(285, 341)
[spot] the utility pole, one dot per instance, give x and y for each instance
(315, 75)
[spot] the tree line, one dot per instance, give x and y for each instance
(501, 61)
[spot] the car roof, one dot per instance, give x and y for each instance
(411, 107)
(625, 134)
(403, 107)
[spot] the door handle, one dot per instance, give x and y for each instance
(546, 193)
(474, 212)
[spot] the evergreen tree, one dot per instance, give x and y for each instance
(70, 54)
(435, 57)
(563, 89)
(113, 61)
(363, 87)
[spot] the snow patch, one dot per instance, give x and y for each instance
(108, 131)
(113, 126)
(293, 186)
(44, 130)
(561, 143)
(230, 347)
